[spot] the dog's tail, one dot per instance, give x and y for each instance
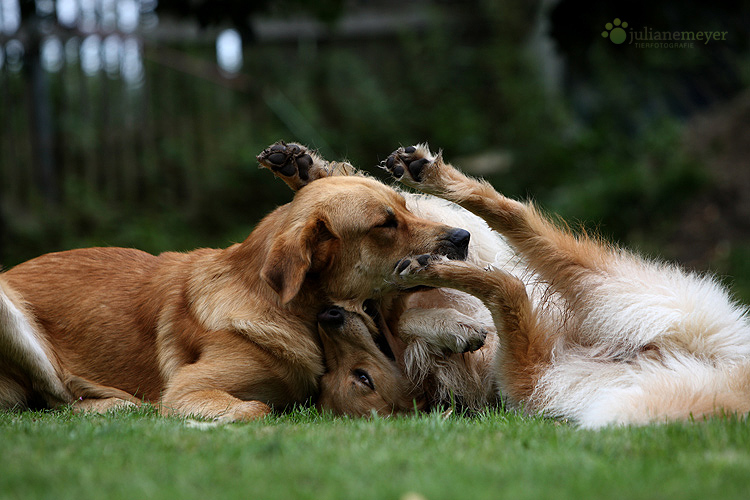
(24, 363)
(695, 389)
(680, 387)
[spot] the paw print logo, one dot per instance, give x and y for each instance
(615, 31)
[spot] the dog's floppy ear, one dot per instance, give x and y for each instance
(291, 257)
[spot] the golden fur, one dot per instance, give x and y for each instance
(227, 333)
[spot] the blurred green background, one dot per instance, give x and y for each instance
(136, 123)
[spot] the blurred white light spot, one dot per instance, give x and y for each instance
(131, 66)
(67, 12)
(111, 55)
(149, 18)
(148, 5)
(91, 60)
(229, 51)
(14, 55)
(128, 14)
(10, 16)
(52, 54)
(45, 7)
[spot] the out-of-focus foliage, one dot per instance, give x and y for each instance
(600, 141)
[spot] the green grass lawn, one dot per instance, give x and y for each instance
(139, 454)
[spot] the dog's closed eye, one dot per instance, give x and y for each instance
(390, 223)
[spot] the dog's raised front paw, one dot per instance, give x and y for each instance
(415, 166)
(474, 337)
(294, 163)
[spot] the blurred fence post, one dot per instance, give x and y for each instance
(42, 127)
(2, 234)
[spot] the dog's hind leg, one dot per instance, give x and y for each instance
(298, 166)
(525, 345)
(97, 398)
(559, 257)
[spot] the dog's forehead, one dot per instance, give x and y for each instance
(354, 194)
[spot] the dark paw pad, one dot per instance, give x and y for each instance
(405, 160)
(287, 160)
(413, 264)
(476, 342)
(423, 260)
(402, 265)
(416, 167)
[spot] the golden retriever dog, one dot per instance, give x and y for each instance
(586, 331)
(224, 334)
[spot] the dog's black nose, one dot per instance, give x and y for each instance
(333, 316)
(460, 238)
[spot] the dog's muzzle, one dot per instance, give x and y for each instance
(455, 244)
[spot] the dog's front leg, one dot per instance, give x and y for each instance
(566, 262)
(212, 404)
(92, 405)
(431, 333)
(97, 398)
(525, 346)
(202, 389)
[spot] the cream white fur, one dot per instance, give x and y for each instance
(21, 343)
(698, 358)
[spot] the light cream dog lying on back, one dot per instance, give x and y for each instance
(587, 331)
